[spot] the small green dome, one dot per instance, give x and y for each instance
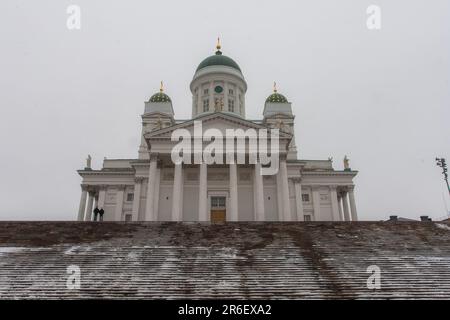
(276, 98)
(218, 60)
(160, 97)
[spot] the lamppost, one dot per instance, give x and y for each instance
(440, 162)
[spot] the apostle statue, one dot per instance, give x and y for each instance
(346, 164)
(88, 162)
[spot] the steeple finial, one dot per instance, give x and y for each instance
(161, 89)
(218, 46)
(274, 87)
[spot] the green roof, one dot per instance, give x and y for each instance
(160, 97)
(218, 60)
(277, 98)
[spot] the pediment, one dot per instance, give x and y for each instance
(218, 120)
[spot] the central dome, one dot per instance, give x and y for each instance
(218, 60)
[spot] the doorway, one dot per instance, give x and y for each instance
(218, 209)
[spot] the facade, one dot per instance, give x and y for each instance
(154, 188)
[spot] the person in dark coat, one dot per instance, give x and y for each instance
(96, 212)
(101, 212)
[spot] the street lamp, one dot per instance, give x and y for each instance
(440, 162)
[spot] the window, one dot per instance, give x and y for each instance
(230, 105)
(231, 92)
(305, 197)
(206, 91)
(217, 202)
(128, 217)
(307, 217)
(130, 196)
(205, 105)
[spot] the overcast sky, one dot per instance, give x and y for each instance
(381, 97)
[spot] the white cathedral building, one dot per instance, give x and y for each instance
(154, 188)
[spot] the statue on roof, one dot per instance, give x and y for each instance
(346, 164)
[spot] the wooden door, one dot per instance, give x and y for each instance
(218, 216)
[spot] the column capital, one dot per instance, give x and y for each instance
(102, 186)
(138, 179)
(333, 187)
(153, 156)
(121, 186)
(296, 179)
(84, 187)
(351, 188)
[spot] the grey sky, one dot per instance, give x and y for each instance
(381, 97)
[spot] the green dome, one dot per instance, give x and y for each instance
(277, 98)
(218, 60)
(160, 97)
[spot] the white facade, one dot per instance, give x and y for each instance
(152, 188)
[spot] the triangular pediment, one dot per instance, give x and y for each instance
(218, 120)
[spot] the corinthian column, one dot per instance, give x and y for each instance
(298, 198)
(82, 207)
(150, 214)
(345, 205)
(351, 197)
(233, 193)
(258, 189)
(203, 193)
(336, 216)
(88, 216)
(285, 190)
(177, 197)
(137, 198)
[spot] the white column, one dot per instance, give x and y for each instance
(234, 215)
(258, 189)
(150, 214)
(345, 205)
(225, 97)
(316, 203)
(177, 193)
(82, 206)
(137, 198)
(298, 198)
(212, 104)
(203, 193)
(88, 216)
(285, 188)
(102, 197)
(351, 197)
(157, 187)
(279, 196)
(119, 203)
(334, 204)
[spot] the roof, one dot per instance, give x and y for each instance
(160, 97)
(276, 98)
(218, 59)
(233, 260)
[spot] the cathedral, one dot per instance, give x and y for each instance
(152, 187)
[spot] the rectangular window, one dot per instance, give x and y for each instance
(305, 197)
(230, 105)
(205, 105)
(307, 217)
(130, 196)
(217, 202)
(128, 217)
(231, 92)
(206, 91)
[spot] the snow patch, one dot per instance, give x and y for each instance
(443, 226)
